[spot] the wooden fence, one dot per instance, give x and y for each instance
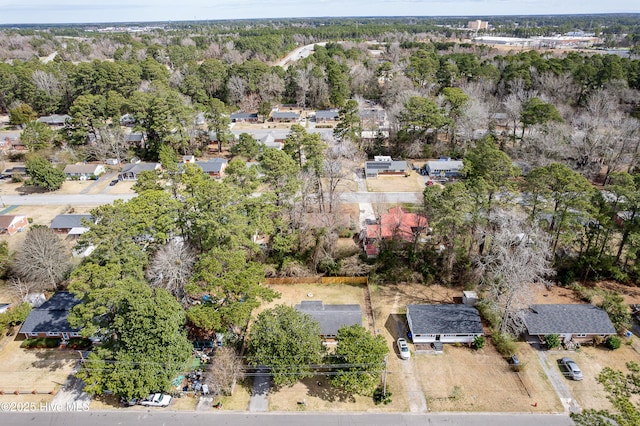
(318, 280)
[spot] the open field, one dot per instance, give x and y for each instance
(412, 183)
(43, 370)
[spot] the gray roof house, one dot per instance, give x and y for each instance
(286, 116)
(83, 171)
(131, 171)
(331, 317)
(54, 120)
(326, 115)
(71, 224)
(569, 321)
(443, 323)
(238, 117)
(213, 167)
(384, 166)
(50, 319)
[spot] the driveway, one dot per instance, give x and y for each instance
(558, 381)
(260, 396)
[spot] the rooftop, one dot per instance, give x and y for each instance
(51, 316)
(444, 319)
(567, 318)
(69, 221)
(331, 317)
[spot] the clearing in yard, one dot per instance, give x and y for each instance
(29, 370)
(412, 183)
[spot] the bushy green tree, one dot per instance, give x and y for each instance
(287, 342)
(43, 174)
(360, 355)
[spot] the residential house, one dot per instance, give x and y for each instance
(50, 319)
(84, 171)
(444, 167)
(213, 167)
(54, 120)
(131, 171)
(71, 224)
(188, 159)
(244, 117)
(269, 141)
(285, 117)
(326, 115)
(397, 223)
(9, 139)
(11, 224)
(135, 139)
(433, 325)
(374, 118)
(127, 120)
(17, 172)
(572, 322)
(331, 317)
(383, 165)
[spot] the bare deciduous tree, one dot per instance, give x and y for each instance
(43, 258)
(223, 372)
(172, 267)
(19, 289)
(516, 262)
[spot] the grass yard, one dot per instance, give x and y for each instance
(293, 294)
(25, 370)
(412, 183)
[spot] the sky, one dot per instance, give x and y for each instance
(88, 11)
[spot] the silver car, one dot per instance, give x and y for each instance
(403, 348)
(571, 368)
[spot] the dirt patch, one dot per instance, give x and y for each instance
(557, 294)
(293, 294)
(412, 183)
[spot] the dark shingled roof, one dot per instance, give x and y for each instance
(51, 316)
(444, 319)
(214, 165)
(68, 221)
(329, 114)
(568, 318)
(331, 317)
(285, 115)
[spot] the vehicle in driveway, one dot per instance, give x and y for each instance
(114, 182)
(156, 400)
(571, 368)
(403, 348)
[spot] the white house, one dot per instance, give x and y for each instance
(443, 323)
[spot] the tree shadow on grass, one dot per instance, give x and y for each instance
(54, 359)
(320, 387)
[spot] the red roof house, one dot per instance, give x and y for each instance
(397, 223)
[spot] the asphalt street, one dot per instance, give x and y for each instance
(158, 417)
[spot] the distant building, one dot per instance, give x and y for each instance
(11, 224)
(444, 167)
(71, 224)
(83, 171)
(383, 165)
(326, 115)
(54, 120)
(478, 25)
(285, 116)
(244, 117)
(214, 167)
(131, 171)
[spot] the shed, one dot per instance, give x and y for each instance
(470, 298)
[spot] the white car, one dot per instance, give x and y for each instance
(156, 400)
(403, 348)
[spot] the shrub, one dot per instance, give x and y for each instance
(597, 340)
(613, 342)
(478, 342)
(504, 344)
(379, 397)
(40, 342)
(552, 341)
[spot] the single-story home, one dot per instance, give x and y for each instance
(326, 115)
(383, 165)
(572, 322)
(214, 167)
(398, 223)
(54, 120)
(131, 171)
(443, 324)
(373, 118)
(331, 317)
(444, 167)
(244, 117)
(19, 172)
(84, 171)
(71, 224)
(135, 139)
(285, 116)
(11, 224)
(50, 319)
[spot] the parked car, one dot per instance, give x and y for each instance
(114, 182)
(403, 348)
(156, 400)
(128, 402)
(572, 369)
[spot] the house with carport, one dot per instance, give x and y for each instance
(433, 325)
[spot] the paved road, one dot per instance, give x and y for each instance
(297, 54)
(153, 417)
(99, 199)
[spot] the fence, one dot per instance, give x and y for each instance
(318, 280)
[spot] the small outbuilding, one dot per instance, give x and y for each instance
(331, 317)
(443, 323)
